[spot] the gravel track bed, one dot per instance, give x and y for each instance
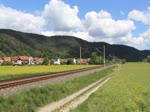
(18, 89)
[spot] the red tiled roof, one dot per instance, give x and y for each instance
(40, 59)
(15, 58)
(7, 59)
(64, 60)
(24, 58)
(84, 61)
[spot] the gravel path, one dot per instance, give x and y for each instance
(75, 99)
(55, 105)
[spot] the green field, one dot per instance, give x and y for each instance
(127, 91)
(19, 71)
(29, 101)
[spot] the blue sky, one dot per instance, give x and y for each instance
(114, 21)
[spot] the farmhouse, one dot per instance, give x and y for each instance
(19, 60)
(7, 59)
(64, 60)
(57, 61)
(82, 61)
(1, 60)
(38, 60)
(16, 60)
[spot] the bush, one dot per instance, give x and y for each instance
(148, 59)
(70, 61)
(6, 63)
(123, 61)
(46, 61)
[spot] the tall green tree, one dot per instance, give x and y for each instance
(46, 61)
(95, 59)
(70, 61)
(148, 58)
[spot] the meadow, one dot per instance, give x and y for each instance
(21, 71)
(127, 91)
(29, 101)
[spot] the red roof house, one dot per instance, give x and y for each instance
(63, 60)
(7, 59)
(38, 60)
(24, 58)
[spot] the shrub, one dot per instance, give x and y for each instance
(123, 61)
(70, 61)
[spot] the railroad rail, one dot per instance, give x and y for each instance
(8, 83)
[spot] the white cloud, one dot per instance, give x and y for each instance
(61, 16)
(137, 42)
(140, 16)
(101, 24)
(146, 37)
(17, 20)
(82, 35)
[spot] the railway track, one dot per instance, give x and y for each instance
(8, 83)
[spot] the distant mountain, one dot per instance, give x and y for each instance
(14, 43)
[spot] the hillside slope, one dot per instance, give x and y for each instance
(18, 43)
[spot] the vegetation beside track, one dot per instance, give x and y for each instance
(7, 72)
(127, 91)
(29, 101)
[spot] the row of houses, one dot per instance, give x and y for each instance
(28, 60)
(58, 61)
(20, 60)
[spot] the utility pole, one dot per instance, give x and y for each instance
(104, 55)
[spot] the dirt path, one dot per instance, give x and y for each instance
(75, 99)
(82, 98)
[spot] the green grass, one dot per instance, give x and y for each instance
(30, 100)
(21, 71)
(127, 91)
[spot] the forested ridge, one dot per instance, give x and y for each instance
(14, 43)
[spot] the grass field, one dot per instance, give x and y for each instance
(127, 91)
(19, 71)
(29, 101)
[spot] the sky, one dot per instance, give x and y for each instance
(125, 22)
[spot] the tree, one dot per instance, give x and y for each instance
(46, 61)
(70, 61)
(123, 61)
(96, 59)
(148, 58)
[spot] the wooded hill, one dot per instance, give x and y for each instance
(14, 43)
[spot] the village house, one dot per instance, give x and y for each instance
(1, 60)
(57, 61)
(7, 59)
(28, 60)
(74, 61)
(64, 61)
(16, 60)
(82, 61)
(38, 60)
(20, 60)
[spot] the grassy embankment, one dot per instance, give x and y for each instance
(29, 101)
(21, 71)
(127, 91)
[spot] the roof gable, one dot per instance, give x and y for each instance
(24, 58)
